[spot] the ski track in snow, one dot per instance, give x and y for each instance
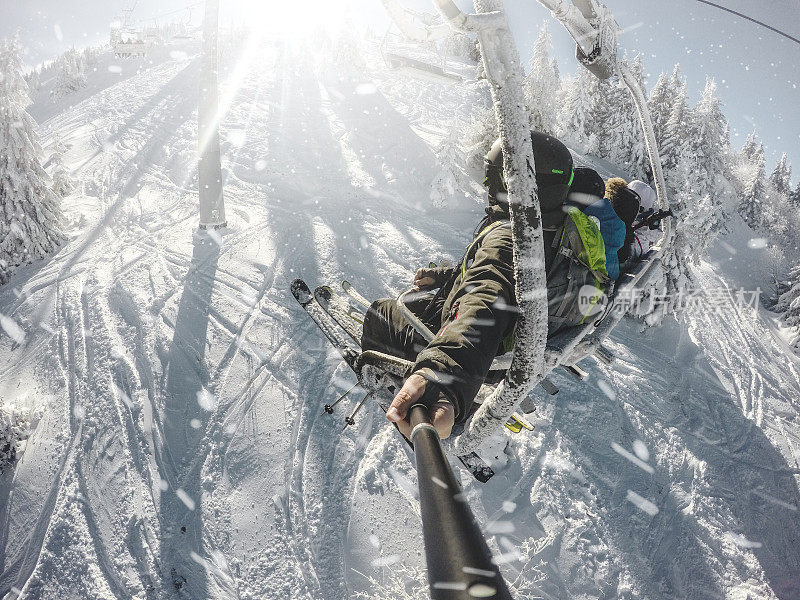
(184, 452)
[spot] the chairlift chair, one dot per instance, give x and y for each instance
(595, 32)
(130, 45)
(413, 47)
(127, 41)
(399, 56)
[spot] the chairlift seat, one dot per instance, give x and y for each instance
(398, 61)
(565, 348)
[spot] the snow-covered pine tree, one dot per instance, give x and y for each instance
(451, 178)
(33, 79)
(347, 49)
(794, 197)
(639, 159)
(91, 55)
(62, 181)
(750, 146)
(602, 117)
(692, 212)
(660, 104)
(542, 86)
(71, 74)
(622, 141)
(16, 425)
(779, 218)
(578, 111)
(753, 182)
(696, 155)
(781, 177)
(708, 155)
(687, 242)
(789, 303)
(675, 133)
(30, 212)
(609, 119)
(776, 219)
(479, 136)
(459, 45)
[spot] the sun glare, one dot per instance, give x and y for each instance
(293, 18)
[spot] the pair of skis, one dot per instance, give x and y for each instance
(516, 423)
(338, 321)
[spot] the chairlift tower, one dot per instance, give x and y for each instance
(212, 203)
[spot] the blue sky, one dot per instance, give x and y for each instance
(756, 69)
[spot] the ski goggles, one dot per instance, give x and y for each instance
(550, 185)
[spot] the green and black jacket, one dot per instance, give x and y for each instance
(479, 312)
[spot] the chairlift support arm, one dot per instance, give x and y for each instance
(650, 141)
(595, 32)
(504, 72)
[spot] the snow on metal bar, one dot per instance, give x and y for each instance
(491, 19)
(504, 72)
(650, 140)
(584, 34)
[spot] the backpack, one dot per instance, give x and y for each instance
(577, 278)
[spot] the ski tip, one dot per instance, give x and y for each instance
(477, 467)
(324, 293)
(301, 292)
(484, 475)
(346, 284)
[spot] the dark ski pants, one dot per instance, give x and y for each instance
(387, 331)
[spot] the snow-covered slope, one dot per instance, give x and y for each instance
(183, 450)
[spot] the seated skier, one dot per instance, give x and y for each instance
(588, 193)
(646, 236)
(626, 204)
(474, 310)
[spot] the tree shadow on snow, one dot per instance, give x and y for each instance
(187, 407)
(381, 140)
(678, 552)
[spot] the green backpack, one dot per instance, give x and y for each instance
(577, 279)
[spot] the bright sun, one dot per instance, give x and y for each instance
(292, 18)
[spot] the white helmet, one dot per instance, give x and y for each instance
(647, 195)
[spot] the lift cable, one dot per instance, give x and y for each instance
(738, 14)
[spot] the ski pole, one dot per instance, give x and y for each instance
(351, 420)
(459, 561)
(329, 407)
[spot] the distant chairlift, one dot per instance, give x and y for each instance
(414, 49)
(126, 41)
(129, 43)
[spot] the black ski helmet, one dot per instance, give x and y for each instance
(553, 176)
(587, 187)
